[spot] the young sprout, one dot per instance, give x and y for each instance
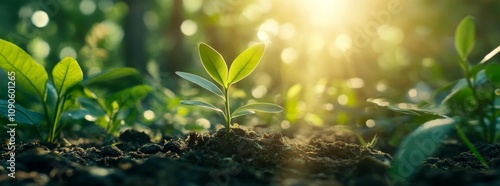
(216, 67)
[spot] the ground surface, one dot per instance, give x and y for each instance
(311, 157)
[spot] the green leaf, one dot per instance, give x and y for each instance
(128, 97)
(493, 73)
(201, 104)
(245, 63)
(28, 73)
(65, 74)
(407, 108)
(110, 75)
(202, 82)
(256, 107)
(465, 37)
(22, 115)
(420, 144)
(213, 63)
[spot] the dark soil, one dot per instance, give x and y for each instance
(321, 157)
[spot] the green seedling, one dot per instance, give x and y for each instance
(34, 79)
(58, 96)
(110, 112)
(216, 67)
(471, 108)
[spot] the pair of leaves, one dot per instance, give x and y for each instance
(32, 76)
(250, 108)
(241, 67)
(216, 67)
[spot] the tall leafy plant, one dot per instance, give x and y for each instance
(472, 99)
(59, 97)
(216, 67)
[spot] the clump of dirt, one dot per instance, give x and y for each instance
(246, 158)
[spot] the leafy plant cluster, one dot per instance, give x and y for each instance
(469, 106)
(66, 94)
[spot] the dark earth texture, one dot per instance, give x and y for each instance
(320, 157)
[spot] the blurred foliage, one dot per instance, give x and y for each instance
(324, 58)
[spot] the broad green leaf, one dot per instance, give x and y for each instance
(202, 82)
(465, 37)
(420, 144)
(22, 115)
(490, 55)
(110, 75)
(28, 73)
(128, 97)
(493, 73)
(213, 63)
(201, 104)
(65, 74)
(245, 63)
(407, 108)
(257, 107)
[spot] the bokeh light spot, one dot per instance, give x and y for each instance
(149, 115)
(412, 93)
(40, 19)
(87, 7)
(203, 123)
(285, 124)
(151, 20)
(189, 27)
(39, 48)
(289, 55)
(355, 82)
(342, 99)
(343, 42)
(67, 52)
(259, 91)
(370, 123)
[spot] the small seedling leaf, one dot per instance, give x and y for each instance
(28, 73)
(201, 104)
(257, 107)
(65, 74)
(465, 37)
(22, 116)
(245, 63)
(213, 63)
(128, 97)
(420, 144)
(202, 82)
(110, 75)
